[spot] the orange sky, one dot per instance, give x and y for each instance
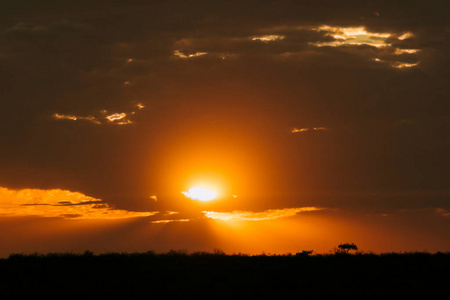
(314, 123)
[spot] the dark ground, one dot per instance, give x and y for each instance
(176, 275)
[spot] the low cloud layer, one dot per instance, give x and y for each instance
(58, 203)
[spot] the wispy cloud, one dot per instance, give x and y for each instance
(76, 118)
(399, 51)
(405, 36)
(169, 221)
(115, 118)
(396, 64)
(400, 65)
(268, 38)
(59, 203)
(169, 217)
(390, 46)
(118, 118)
(387, 43)
(443, 212)
(352, 36)
(258, 216)
(189, 55)
(299, 130)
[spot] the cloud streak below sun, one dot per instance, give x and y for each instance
(270, 214)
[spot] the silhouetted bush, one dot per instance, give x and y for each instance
(304, 253)
(218, 251)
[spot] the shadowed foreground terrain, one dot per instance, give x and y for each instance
(177, 275)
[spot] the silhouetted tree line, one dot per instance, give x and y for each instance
(178, 274)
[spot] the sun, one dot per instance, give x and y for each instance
(200, 193)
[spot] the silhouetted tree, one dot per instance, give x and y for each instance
(347, 247)
(304, 253)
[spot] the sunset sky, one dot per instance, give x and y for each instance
(310, 123)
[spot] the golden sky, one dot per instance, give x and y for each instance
(302, 124)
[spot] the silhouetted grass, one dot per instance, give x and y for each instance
(179, 275)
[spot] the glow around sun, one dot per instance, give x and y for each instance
(200, 193)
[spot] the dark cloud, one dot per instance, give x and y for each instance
(79, 58)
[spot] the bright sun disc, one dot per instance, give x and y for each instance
(200, 193)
